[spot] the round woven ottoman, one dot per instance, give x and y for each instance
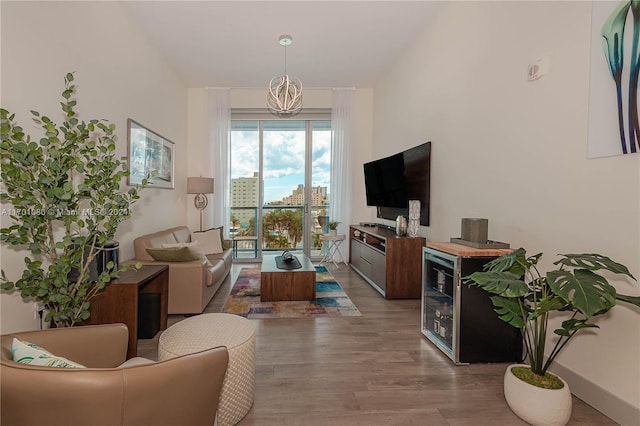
(206, 331)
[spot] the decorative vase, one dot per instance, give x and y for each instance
(333, 232)
(537, 406)
(414, 218)
(401, 225)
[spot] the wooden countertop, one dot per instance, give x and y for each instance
(466, 251)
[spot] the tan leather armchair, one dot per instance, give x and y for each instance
(180, 391)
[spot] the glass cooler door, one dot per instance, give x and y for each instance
(439, 323)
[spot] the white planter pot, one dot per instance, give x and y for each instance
(333, 232)
(534, 405)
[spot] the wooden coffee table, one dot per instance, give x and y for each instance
(281, 284)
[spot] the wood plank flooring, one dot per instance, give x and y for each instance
(376, 369)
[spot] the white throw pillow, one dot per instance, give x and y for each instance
(29, 353)
(209, 241)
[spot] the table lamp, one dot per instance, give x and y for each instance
(200, 186)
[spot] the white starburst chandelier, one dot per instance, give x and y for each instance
(284, 97)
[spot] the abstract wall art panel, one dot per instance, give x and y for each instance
(614, 125)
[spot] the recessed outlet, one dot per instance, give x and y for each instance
(37, 308)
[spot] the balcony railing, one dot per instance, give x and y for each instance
(282, 228)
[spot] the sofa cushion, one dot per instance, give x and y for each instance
(155, 240)
(209, 240)
(162, 238)
(216, 272)
(30, 353)
(226, 257)
(173, 254)
(182, 234)
(194, 247)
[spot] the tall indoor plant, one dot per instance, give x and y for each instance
(62, 193)
(525, 298)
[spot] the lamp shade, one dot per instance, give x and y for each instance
(199, 185)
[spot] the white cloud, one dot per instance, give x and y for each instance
(284, 156)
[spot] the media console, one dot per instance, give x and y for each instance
(391, 264)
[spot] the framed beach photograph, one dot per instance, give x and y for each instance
(149, 155)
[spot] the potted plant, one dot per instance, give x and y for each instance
(525, 298)
(65, 205)
(333, 228)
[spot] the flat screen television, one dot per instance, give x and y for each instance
(385, 185)
(391, 182)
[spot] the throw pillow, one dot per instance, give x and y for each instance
(209, 240)
(194, 247)
(221, 229)
(29, 353)
(224, 244)
(173, 254)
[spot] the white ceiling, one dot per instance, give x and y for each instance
(235, 43)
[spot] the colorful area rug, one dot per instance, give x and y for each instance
(331, 300)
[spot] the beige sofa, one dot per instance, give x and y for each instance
(192, 284)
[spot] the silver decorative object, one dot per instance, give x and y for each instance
(401, 225)
(414, 218)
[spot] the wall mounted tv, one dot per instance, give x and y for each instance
(392, 181)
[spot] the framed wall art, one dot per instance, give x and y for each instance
(614, 121)
(149, 155)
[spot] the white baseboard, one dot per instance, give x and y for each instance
(601, 399)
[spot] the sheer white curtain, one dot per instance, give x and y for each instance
(342, 128)
(218, 123)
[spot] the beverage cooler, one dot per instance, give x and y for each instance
(459, 319)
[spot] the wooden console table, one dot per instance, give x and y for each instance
(118, 302)
(390, 263)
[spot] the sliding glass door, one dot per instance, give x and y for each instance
(279, 189)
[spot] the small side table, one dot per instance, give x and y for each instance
(251, 238)
(332, 247)
(118, 302)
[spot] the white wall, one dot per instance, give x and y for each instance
(118, 74)
(515, 152)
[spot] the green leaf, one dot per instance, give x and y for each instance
(549, 304)
(593, 262)
(572, 325)
(588, 292)
(634, 300)
(506, 261)
(505, 284)
(509, 311)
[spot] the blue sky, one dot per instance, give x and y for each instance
(283, 159)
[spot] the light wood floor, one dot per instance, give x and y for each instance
(376, 369)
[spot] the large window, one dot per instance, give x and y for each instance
(280, 185)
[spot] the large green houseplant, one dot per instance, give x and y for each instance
(525, 298)
(62, 194)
